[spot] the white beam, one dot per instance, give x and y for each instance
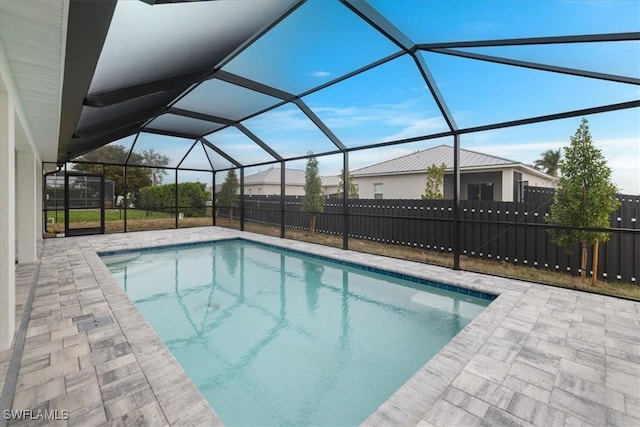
(26, 182)
(7, 219)
(9, 86)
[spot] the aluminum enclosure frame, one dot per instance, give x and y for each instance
(186, 83)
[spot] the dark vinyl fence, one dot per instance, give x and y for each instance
(508, 231)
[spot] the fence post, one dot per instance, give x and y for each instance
(456, 201)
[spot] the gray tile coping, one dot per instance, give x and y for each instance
(538, 355)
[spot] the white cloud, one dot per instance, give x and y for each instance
(358, 125)
(419, 127)
(281, 121)
(377, 116)
(320, 74)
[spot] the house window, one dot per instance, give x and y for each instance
(483, 191)
(377, 191)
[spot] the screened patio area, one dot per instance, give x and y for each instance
(424, 137)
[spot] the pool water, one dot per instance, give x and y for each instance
(274, 337)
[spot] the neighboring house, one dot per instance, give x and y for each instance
(267, 182)
(482, 177)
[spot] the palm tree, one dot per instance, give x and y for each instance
(549, 162)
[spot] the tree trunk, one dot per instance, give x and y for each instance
(583, 261)
(312, 224)
(594, 267)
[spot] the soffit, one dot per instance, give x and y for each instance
(33, 35)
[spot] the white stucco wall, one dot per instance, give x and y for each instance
(20, 188)
(538, 181)
(274, 189)
(412, 186)
(406, 186)
(7, 216)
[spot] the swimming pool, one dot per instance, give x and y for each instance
(277, 337)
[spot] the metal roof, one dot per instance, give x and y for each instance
(206, 76)
(421, 160)
(272, 176)
(292, 176)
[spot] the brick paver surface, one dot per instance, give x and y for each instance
(537, 355)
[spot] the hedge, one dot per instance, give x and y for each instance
(192, 198)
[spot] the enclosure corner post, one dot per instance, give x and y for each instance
(176, 197)
(242, 199)
(125, 200)
(345, 200)
(456, 201)
(283, 177)
(66, 201)
(102, 207)
(213, 198)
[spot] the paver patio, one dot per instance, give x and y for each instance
(538, 355)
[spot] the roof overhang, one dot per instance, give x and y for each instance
(33, 36)
(86, 32)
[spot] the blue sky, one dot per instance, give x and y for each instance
(323, 40)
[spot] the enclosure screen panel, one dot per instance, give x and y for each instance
(159, 150)
(169, 40)
(481, 93)
(180, 124)
(386, 108)
(446, 21)
(289, 132)
(213, 97)
(319, 42)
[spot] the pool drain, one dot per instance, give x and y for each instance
(89, 324)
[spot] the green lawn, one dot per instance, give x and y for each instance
(89, 215)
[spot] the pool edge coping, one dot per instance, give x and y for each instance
(178, 407)
(429, 382)
(429, 283)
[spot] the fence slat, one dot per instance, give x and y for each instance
(427, 224)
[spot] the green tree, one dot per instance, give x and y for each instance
(313, 201)
(137, 178)
(549, 162)
(353, 188)
(228, 191)
(585, 198)
(435, 182)
(152, 158)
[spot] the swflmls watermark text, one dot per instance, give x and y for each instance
(35, 415)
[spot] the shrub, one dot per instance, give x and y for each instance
(192, 198)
